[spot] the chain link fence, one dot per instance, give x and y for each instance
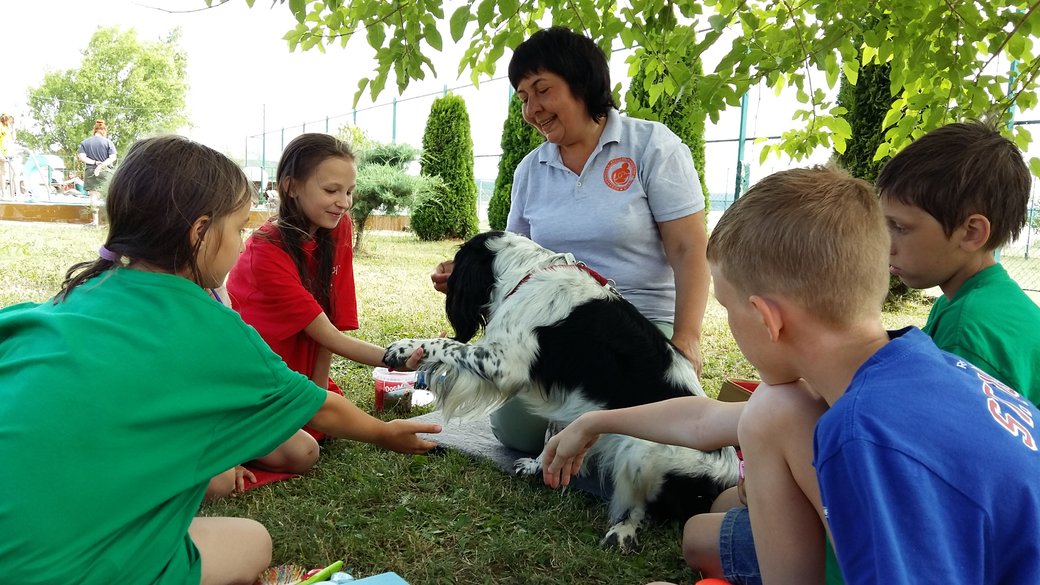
(1021, 258)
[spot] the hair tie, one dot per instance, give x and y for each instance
(109, 255)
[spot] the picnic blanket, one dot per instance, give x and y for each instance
(473, 437)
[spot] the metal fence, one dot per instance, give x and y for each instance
(404, 120)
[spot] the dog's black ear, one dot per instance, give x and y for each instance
(470, 285)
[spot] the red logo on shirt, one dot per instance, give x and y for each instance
(620, 173)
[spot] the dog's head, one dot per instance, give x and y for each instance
(470, 285)
(481, 263)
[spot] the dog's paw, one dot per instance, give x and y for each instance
(399, 351)
(527, 467)
(621, 536)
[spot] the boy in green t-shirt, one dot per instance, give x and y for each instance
(951, 199)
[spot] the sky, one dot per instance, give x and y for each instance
(244, 83)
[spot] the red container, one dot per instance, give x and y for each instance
(387, 382)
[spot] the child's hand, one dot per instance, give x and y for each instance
(400, 436)
(564, 453)
(413, 360)
(241, 475)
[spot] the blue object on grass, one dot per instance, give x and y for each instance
(382, 579)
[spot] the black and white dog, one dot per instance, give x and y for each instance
(559, 337)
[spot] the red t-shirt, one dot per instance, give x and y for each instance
(266, 289)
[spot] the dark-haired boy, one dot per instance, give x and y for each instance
(951, 199)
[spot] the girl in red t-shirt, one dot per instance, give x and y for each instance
(294, 282)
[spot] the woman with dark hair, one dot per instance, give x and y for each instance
(294, 283)
(619, 193)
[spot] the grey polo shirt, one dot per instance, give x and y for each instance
(639, 175)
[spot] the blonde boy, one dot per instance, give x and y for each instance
(911, 441)
(916, 440)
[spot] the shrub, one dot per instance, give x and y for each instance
(358, 139)
(450, 212)
(518, 139)
(683, 116)
(383, 184)
(394, 155)
(867, 103)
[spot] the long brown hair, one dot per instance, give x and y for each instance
(165, 184)
(300, 158)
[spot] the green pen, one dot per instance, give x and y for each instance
(323, 574)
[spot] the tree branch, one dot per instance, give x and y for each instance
(1007, 39)
(168, 11)
(584, 28)
(805, 64)
(1030, 74)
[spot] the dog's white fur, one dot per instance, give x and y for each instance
(474, 379)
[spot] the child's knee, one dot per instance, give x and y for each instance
(304, 453)
(258, 546)
(264, 546)
(700, 544)
(774, 411)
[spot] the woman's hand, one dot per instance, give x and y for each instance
(400, 435)
(691, 348)
(440, 275)
(564, 453)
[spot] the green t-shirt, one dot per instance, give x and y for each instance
(993, 324)
(117, 406)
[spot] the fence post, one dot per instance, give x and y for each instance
(738, 189)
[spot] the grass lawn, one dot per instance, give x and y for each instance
(432, 519)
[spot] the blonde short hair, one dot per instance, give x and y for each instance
(815, 235)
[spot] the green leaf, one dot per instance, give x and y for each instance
(299, 9)
(839, 143)
(507, 7)
(830, 65)
(1022, 137)
(717, 22)
(433, 37)
(459, 19)
(882, 151)
(654, 91)
(1034, 165)
(892, 116)
(766, 149)
(485, 12)
(375, 35)
(869, 54)
(851, 70)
